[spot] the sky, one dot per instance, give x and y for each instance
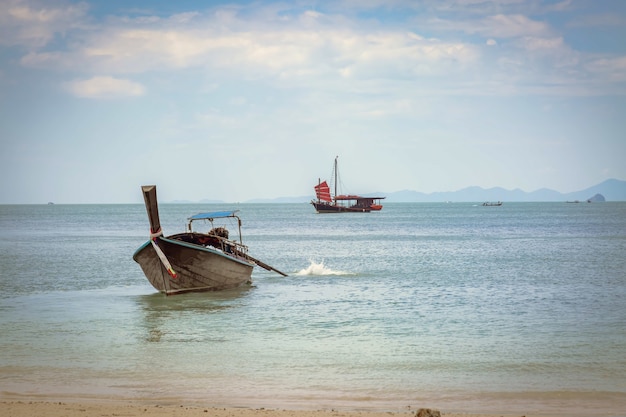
(239, 100)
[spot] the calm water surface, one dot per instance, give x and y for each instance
(518, 308)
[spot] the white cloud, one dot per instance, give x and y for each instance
(542, 44)
(554, 52)
(104, 87)
(508, 26)
(613, 68)
(310, 49)
(33, 24)
(283, 53)
(492, 26)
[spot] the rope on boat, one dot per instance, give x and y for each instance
(160, 254)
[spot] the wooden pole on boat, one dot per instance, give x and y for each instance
(152, 207)
(263, 264)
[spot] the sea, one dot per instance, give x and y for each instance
(459, 307)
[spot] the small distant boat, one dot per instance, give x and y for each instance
(334, 203)
(193, 261)
(498, 203)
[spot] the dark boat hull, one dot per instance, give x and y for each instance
(332, 208)
(197, 268)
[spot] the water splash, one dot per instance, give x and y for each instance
(315, 268)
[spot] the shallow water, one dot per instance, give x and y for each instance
(452, 306)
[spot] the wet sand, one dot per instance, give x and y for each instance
(103, 408)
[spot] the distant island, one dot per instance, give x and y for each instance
(598, 198)
(609, 190)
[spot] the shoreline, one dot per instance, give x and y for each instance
(68, 408)
(70, 405)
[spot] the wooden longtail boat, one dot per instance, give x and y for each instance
(193, 261)
(342, 203)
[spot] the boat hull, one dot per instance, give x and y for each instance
(332, 208)
(197, 268)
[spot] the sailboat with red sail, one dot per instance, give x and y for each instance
(342, 203)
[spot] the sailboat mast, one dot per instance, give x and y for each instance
(319, 184)
(336, 175)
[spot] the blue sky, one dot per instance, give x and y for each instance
(254, 99)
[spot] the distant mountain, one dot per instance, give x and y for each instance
(611, 190)
(477, 194)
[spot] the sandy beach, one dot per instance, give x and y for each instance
(106, 409)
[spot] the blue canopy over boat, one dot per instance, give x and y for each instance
(213, 215)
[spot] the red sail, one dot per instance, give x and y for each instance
(323, 192)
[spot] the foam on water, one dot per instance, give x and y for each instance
(318, 268)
